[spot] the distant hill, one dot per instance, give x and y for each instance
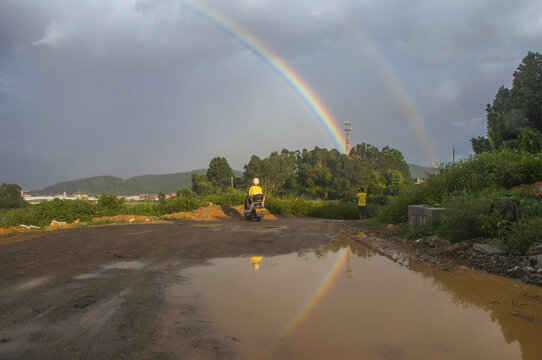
(167, 183)
(417, 171)
(144, 184)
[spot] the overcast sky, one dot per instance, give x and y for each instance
(132, 87)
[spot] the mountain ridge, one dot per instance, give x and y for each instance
(141, 184)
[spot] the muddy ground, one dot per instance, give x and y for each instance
(102, 292)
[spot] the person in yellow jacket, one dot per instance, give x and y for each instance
(362, 203)
(255, 189)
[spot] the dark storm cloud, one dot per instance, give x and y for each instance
(126, 87)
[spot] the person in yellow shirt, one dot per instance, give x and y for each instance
(362, 203)
(254, 189)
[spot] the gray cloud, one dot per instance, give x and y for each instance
(126, 87)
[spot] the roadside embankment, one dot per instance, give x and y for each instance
(438, 253)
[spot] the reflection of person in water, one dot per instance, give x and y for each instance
(255, 260)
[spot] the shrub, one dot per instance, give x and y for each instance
(109, 205)
(57, 209)
(298, 206)
(487, 215)
(523, 234)
(497, 170)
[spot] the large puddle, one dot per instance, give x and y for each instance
(345, 302)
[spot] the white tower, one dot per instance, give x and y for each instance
(347, 130)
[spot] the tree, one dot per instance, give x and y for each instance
(526, 90)
(480, 145)
(108, 204)
(200, 185)
(219, 172)
(252, 170)
(161, 197)
(514, 109)
(11, 196)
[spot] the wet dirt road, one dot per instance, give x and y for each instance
(126, 270)
(288, 289)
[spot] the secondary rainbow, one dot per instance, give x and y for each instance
(391, 78)
(265, 54)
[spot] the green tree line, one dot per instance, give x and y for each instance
(323, 173)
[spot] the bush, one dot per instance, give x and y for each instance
(297, 206)
(523, 234)
(497, 170)
(488, 214)
(109, 205)
(57, 209)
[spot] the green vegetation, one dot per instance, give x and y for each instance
(108, 205)
(485, 199)
(11, 196)
(219, 172)
(329, 174)
(325, 209)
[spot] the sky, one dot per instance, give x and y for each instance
(133, 87)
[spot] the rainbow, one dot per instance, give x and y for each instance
(391, 78)
(265, 54)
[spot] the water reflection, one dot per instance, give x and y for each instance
(255, 260)
(515, 306)
(302, 307)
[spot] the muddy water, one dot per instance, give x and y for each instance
(347, 302)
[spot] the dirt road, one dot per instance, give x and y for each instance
(101, 292)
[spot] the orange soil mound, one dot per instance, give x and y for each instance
(10, 229)
(214, 212)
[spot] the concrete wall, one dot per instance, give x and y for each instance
(419, 215)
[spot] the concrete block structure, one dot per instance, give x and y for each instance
(419, 215)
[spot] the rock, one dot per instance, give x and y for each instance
(58, 223)
(131, 220)
(514, 269)
(536, 249)
(147, 219)
(435, 241)
(455, 248)
(539, 271)
(536, 260)
(486, 249)
(529, 268)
